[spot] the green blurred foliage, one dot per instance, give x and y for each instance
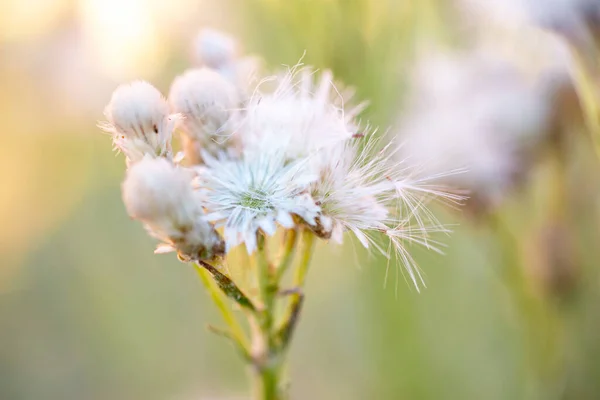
(88, 312)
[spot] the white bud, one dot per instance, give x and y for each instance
(208, 102)
(138, 117)
(160, 194)
(215, 49)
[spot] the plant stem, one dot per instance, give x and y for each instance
(268, 289)
(268, 385)
(308, 238)
(269, 342)
(541, 324)
(289, 250)
(268, 365)
(293, 313)
(274, 341)
(219, 300)
(588, 96)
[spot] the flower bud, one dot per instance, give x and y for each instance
(215, 49)
(208, 104)
(160, 194)
(138, 118)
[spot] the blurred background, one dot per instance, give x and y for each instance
(512, 310)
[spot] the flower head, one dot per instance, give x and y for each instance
(299, 117)
(160, 194)
(215, 49)
(474, 113)
(221, 52)
(255, 193)
(139, 121)
(352, 192)
(350, 184)
(208, 102)
(363, 190)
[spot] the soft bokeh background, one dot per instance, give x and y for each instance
(88, 312)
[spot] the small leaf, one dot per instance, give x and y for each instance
(228, 335)
(229, 287)
(284, 334)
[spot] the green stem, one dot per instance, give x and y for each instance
(268, 366)
(219, 300)
(291, 319)
(540, 325)
(289, 250)
(308, 238)
(589, 98)
(268, 344)
(274, 341)
(512, 276)
(268, 288)
(268, 385)
(511, 273)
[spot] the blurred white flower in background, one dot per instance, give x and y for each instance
(221, 52)
(475, 111)
(215, 49)
(576, 20)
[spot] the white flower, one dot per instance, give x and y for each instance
(208, 103)
(139, 121)
(352, 191)
(160, 194)
(577, 20)
(220, 52)
(299, 117)
(362, 190)
(255, 193)
(359, 188)
(215, 49)
(475, 113)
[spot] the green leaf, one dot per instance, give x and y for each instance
(229, 287)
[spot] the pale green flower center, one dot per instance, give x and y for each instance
(255, 199)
